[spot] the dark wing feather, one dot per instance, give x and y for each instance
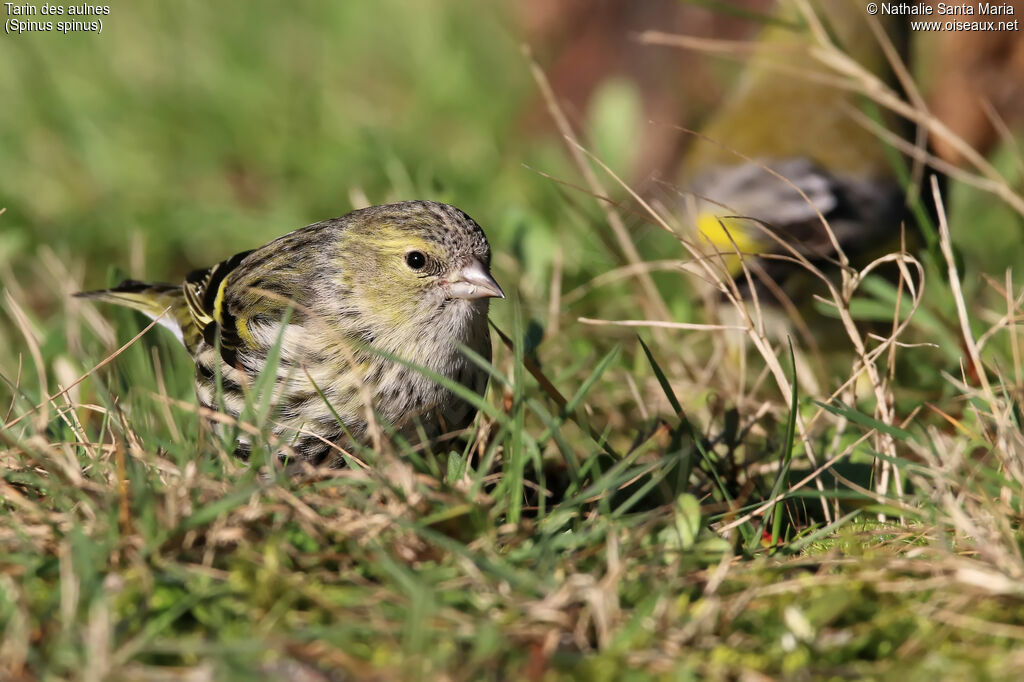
(205, 305)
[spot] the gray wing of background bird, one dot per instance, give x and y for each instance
(792, 201)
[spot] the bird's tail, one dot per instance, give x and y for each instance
(162, 302)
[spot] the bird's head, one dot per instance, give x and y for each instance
(411, 262)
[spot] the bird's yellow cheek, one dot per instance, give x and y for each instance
(396, 299)
(727, 236)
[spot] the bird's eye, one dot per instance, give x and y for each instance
(415, 260)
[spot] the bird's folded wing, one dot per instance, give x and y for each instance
(204, 295)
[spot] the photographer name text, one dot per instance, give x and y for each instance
(942, 11)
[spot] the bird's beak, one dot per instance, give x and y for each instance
(473, 281)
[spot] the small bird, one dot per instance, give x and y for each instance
(789, 113)
(337, 298)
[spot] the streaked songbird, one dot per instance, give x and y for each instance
(350, 308)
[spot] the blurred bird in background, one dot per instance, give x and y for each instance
(784, 150)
